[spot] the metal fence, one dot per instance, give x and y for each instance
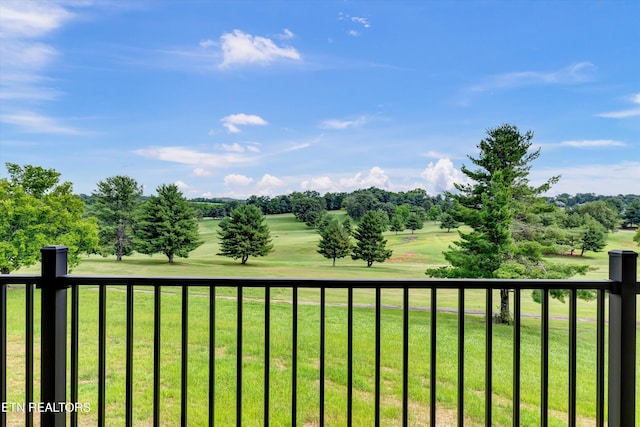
(619, 350)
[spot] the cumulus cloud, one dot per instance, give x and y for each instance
(239, 48)
(269, 185)
(441, 176)
(624, 114)
(232, 121)
(182, 185)
(343, 124)
(201, 173)
(375, 178)
(237, 180)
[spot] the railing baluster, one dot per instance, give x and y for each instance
(3, 350)
(516, 357)
(239, 358)
(405, 356)
(102, 337)
(544, 360)
(156, 355)
(377, 356)
(460, 356)
(572, 356)
(74, 352)
(433, 358)
(28, 416)
(488, 357)
(294, 358)
(267, 351)
(129, 359)
(349, 356)
(212, 354)
(600, 359)
(184, 372)
(322, 351)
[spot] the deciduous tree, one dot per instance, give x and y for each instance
(167, 224)
(244, 233)
(36, 210)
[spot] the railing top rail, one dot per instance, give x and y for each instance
(398, 283)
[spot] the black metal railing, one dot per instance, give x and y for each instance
(620, 353)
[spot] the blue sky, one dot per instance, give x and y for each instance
(234, 98)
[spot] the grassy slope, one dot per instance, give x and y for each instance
(295, 255)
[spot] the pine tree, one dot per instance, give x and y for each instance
(415, 222)
(371, 245)
(116, 201)
(167, 225)
(335, 240)
(487, 204)
(244, 233)
(448, 222)
(396, 224)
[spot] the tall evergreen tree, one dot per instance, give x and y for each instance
(487, 204)
(335, 240)
(371, 245)
(244, 233)
(167, 225)
(116, 201)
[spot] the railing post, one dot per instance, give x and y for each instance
(622, 338)
(54, 337)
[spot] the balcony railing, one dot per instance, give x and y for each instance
(616, 398)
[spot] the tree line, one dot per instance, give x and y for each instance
(513, 225)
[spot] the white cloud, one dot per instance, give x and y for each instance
(201, 173)
(235, 147)
(575, 73)
(31, 19)
(182, 185)
(624, 114)
(36, 123)
(343, 124)
(287, 34)
(237, 180)
(375, 178)
(239, 48)
(363, 21)
(593, 143)
(232, 121)
(253, 148)
(354, 33)
(321, 184)
(606, 179)
(441, 176)
(269, 185)
(192, 157)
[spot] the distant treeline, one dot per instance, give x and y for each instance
(360, 201)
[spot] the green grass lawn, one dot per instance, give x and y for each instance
(295, 256)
